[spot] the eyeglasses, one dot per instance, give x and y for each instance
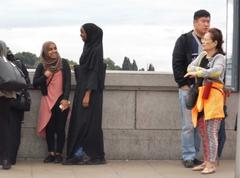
(204, 40)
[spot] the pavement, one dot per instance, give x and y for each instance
(114, 169)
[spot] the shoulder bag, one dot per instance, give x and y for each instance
(11, 77)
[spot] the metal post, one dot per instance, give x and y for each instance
(236, 56)
(237, 169)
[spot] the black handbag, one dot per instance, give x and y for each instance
(192, 94)
(23, 101)
(11, 77)
(191, 97)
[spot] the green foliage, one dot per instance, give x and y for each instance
(31, 61)
(151, 68)
(111, 64)
(28, 58)
(126, 64)
(71, 63)
(134, 66)
(117, 67)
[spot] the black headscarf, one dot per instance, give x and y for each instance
(93, 49)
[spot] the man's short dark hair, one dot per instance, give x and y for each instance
(201, 13)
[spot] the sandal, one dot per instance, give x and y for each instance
(199, 167)
(208, 170)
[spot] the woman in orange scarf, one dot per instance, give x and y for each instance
(208, 111)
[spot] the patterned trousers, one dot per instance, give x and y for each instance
(209, 133)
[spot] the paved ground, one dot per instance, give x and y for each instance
(114, 169)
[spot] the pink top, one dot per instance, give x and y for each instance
(47, 102)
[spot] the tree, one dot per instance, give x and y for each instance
(134, 65)
(151, 68)
(111, 64)
(117, 67)
(71, 63)
(126, 64)
(142, 69)
(28, 58)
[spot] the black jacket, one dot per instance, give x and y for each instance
(39, 79)
(19, 63)
(181, 58)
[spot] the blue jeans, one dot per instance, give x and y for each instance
(79, 153)
(189, 137)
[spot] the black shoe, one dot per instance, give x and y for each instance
(96, 161)
(49, 159)
(58, 159)
(197, 162)
(188, 163)
(74, 161)
(13, 162)
(6, 164)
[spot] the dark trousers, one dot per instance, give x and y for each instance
(10, 130)
(5, 129)
(56, 127)
(16, 123)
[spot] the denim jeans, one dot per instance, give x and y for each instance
(189, 137)
(79, 153)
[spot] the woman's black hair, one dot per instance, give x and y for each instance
(216, 35)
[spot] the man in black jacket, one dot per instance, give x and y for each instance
(187, 48)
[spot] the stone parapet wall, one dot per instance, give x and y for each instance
(140, 118)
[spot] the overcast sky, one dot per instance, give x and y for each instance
(144, 30)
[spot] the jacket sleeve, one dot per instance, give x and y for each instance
(194, 65)
(67, 79)
(179, 61)
(215, 71)
(39, 78)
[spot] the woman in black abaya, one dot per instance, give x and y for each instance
(85, 135)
